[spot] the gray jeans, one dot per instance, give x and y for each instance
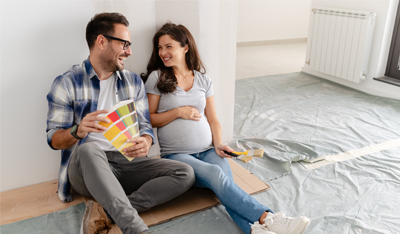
(124, 187)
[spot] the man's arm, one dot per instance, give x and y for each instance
(62, 139)
(142, 109)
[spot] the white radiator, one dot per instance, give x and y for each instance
(339, 42)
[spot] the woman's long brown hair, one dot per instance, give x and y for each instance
(167, 82)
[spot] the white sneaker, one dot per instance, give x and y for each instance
(281, 224)
(257, 228)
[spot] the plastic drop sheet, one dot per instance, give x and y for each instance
(63, 221)
(296, 117)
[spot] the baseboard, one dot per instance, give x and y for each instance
(381, 89)
(270, 42)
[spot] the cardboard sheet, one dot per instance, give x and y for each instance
(198, 199)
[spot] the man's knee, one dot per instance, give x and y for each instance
(87, 153)
(186, 173)
(190, 174)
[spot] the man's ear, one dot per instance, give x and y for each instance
(101, 42)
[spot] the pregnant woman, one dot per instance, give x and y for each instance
(181, 101)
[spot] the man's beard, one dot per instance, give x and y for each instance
(109, 63)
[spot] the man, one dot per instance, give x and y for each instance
(90, 164)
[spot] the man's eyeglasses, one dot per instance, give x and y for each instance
(126, 45)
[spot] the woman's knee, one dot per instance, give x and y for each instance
(223, 163)
(212, 177)
(213, 171)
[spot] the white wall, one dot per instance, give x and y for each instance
(262, 20)
(385, 16)
(42, 39)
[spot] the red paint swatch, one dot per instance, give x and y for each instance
(113, 116)
(127, 134)
(121, 126)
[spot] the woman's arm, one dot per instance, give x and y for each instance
(216, 129)
(162, 119)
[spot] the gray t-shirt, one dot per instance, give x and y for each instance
(182, 135)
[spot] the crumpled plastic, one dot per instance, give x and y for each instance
(296, 117)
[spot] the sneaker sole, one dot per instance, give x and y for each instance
(302, 226)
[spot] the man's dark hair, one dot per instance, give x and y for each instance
(103, 24)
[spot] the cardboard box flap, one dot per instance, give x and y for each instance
(198, 199)
(245, 180)
(194, 200)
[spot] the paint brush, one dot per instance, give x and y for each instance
(242, 157)
(252, 153)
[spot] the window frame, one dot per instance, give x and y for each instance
(392, 69)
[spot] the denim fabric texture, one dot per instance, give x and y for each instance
(214, 172)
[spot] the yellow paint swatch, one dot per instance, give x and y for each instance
(119, 141)
(106, 124)
(123, 110)
(111, 133)
(128, 120)
(133, 130)
(127, 145)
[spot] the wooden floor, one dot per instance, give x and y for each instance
(32, 201)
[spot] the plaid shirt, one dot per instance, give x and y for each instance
(75, 94)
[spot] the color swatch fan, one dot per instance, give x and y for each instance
(122, 126)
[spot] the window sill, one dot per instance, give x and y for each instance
(388, 80)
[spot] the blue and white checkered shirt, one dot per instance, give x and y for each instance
(75, 94)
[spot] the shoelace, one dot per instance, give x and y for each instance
(257, 226)
(278, 219)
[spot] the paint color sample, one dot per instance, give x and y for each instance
(106, 124)
(114, 116)
(134, 118)
(128, 120)
(131, 107)
(133, 130)
(123, 125)
(122, 111)
(120, 141)
(128, 134)
(112, 133)
(127, 144)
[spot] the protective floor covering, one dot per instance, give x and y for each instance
(63, 221)
(298, 116)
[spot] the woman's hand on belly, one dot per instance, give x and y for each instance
(219, 150)
(188, 112)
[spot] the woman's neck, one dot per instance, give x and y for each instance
(181, 70)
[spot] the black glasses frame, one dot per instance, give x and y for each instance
(126, 43)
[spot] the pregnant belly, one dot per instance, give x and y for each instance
(185, 136)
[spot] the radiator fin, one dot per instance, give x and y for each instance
(339, 42)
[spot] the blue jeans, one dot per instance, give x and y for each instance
(214, 172)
